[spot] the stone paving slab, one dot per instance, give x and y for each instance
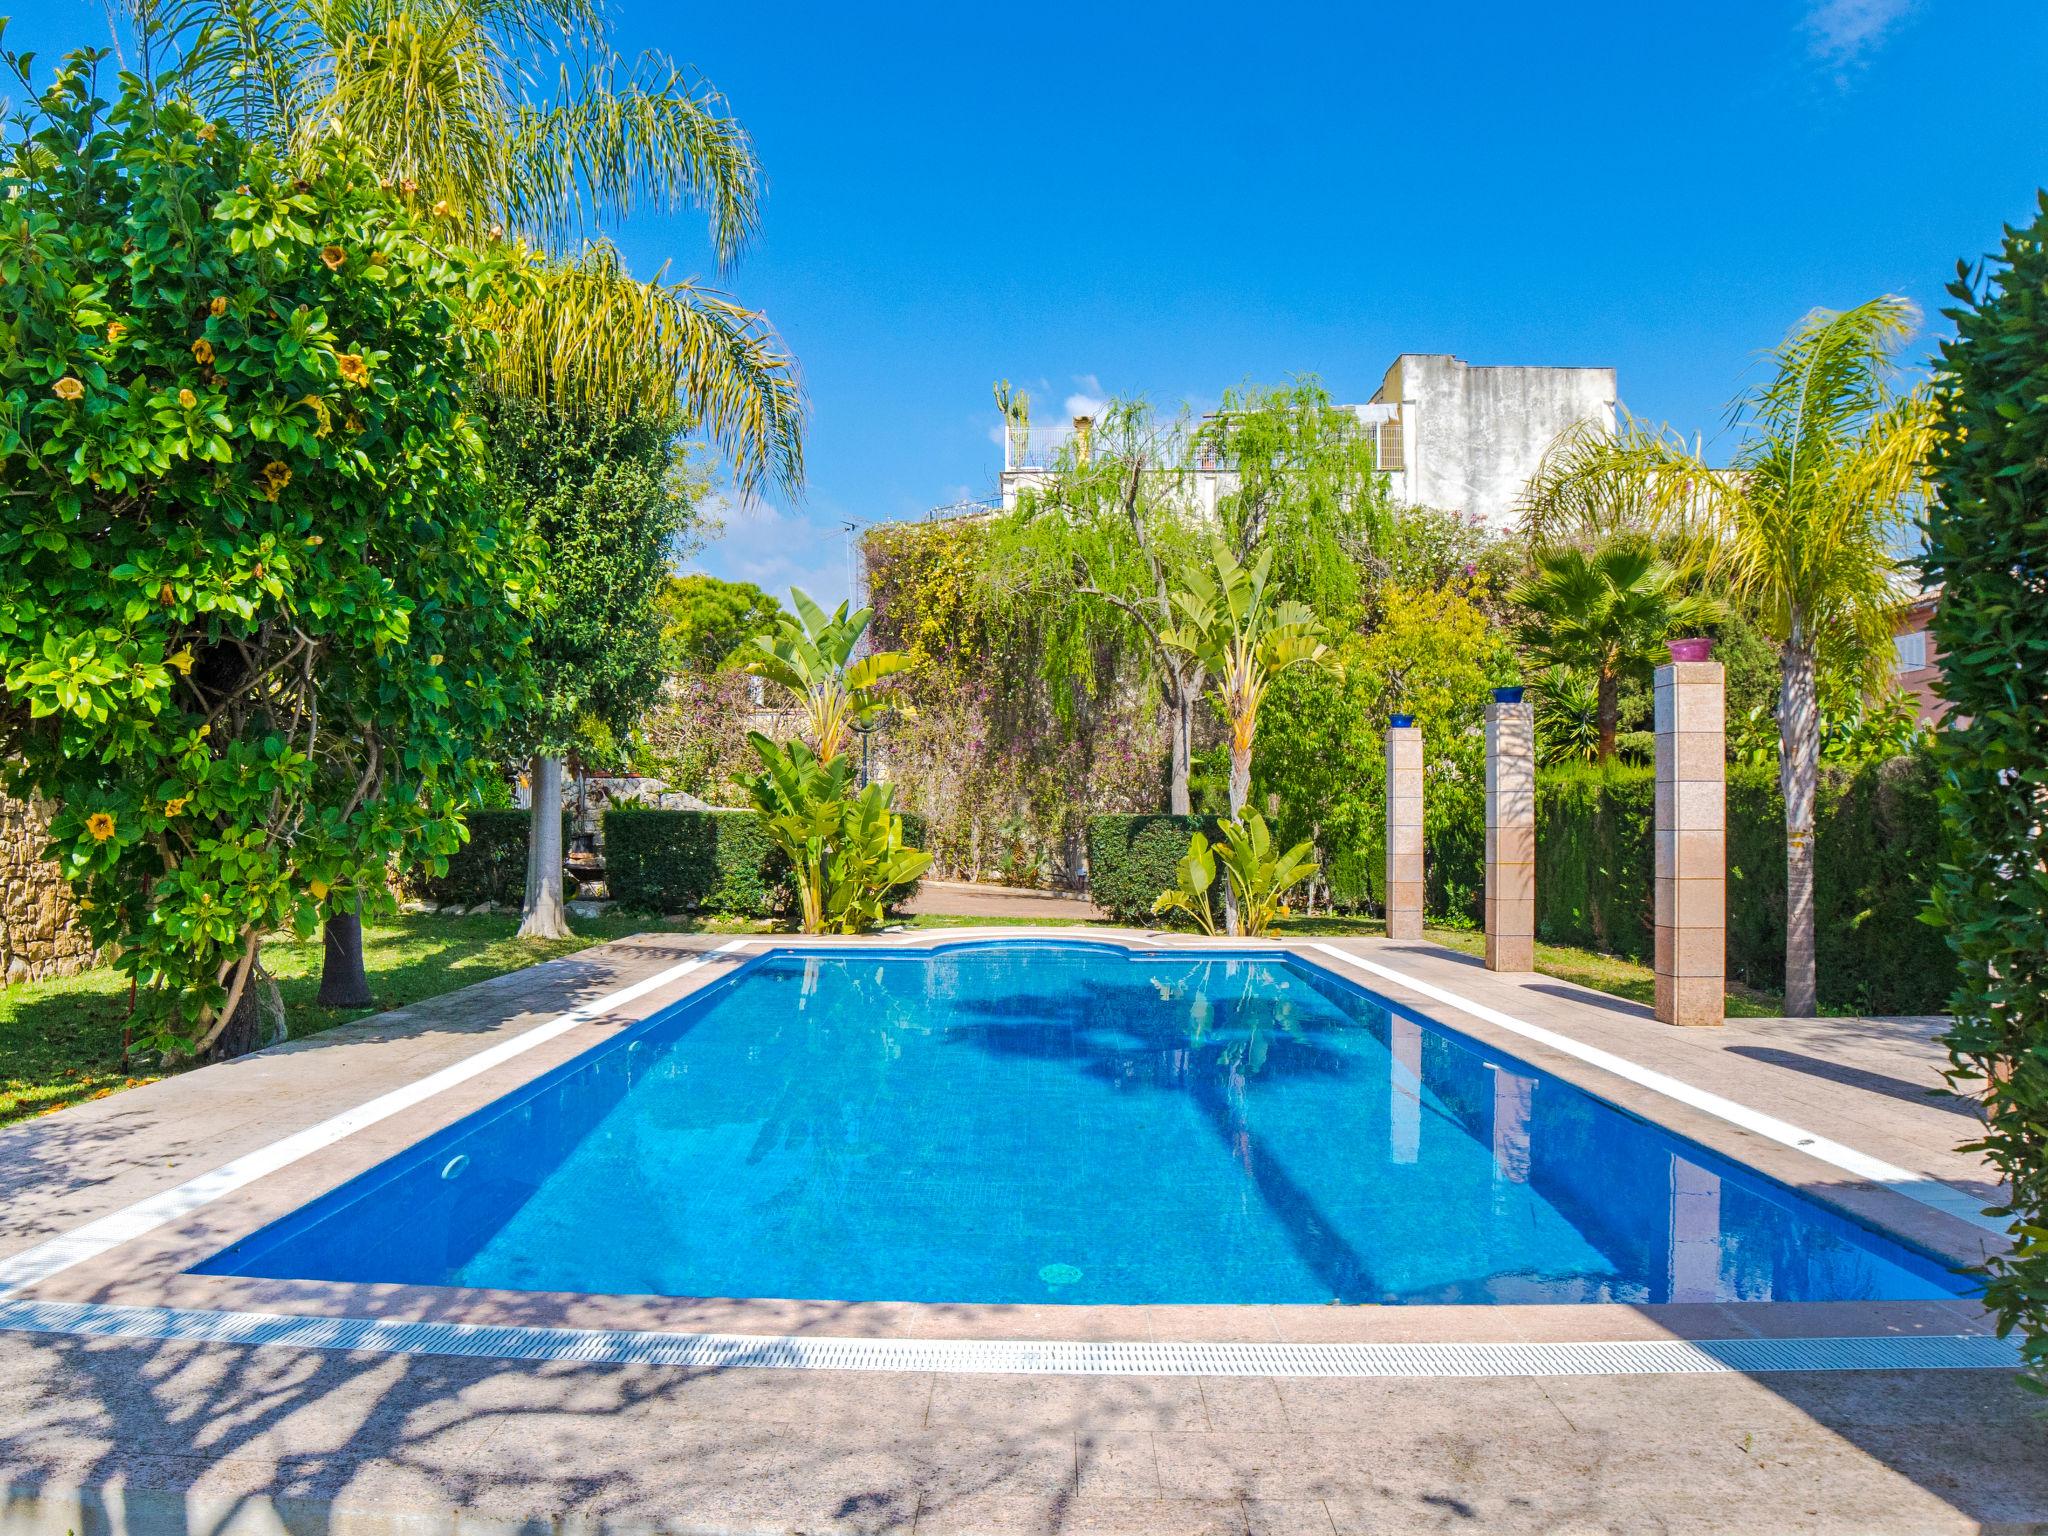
(182, 1436)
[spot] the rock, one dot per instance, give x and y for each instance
(17, 970)
(417, 908)
(590, 908)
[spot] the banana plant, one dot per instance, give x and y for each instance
(1259, 875)
(1242, 638)
(810, 657)
(1194, 876)
(845, 851)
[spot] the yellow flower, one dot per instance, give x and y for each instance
(202, 351)
(332, 257)
(441, 208)
(182, 660)
(100, 825)
(276, 477)
(187, 399)
(314, 541)
(353, 368)
(408, 186)
(319, 889)
(377, 258)
(116, 329)
(352, 422)
(320, 411)
(68, 388)
(207, 132)
(217, 306)
(176, 808)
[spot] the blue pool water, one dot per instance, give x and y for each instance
(1021, 1122)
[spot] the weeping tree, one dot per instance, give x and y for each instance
(1804, 527)
(517, 126)
(1096, 550)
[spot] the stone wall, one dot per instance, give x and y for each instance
(39, 930)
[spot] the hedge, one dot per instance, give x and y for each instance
(1876, 854)
(1131, 860)
(706, 861)
(491, 866)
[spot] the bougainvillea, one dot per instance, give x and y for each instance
(254, 601)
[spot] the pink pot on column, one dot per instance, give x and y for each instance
(1690, 650)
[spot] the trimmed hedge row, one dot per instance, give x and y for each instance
(1876, 848)
(718, 862)
(1876, 851)
(1131, 860)
(491, 866)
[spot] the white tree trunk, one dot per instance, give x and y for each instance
(1240, 791)
(1182, 709)
(1799, 779)
(543, 916)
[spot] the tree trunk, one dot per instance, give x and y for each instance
(543, 916)
(1240, 791)
(343, 982)
(1609, 713)
(257, 1019)
(1799, 779)
(1182, 708)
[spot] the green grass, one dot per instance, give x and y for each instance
(61, 1041)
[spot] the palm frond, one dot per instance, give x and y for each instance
(618, 138)
(591, 335)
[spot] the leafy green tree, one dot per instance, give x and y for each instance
(610, 500)
(1606, 613)
(704, 620)
(1805, 529)
(255, 601)
(812, 658)
(1987, 547)
(444, 97)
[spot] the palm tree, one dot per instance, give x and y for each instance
(1607, 614)
(516, 121)
(811, 658)
(1805, 526)
(1241, 639)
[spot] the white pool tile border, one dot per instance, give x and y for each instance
(97, 1237)
(1010, 1357)
(1918, 1187)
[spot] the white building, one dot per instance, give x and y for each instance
(1449, 435)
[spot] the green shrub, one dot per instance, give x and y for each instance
(718, 862)
(491, 866)
(1987, 547)
(1131, 860)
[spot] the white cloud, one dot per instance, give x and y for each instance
(1843, 31)
(1084, 405)
(777, 550)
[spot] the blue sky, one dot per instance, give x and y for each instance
(1172, 199)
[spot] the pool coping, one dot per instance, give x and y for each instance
(135, 1274)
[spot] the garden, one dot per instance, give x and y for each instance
(348, 472)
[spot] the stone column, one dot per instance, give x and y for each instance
(1510, 832)
(1404, 829)
(1692, 838)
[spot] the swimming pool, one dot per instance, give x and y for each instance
(1047, 1121)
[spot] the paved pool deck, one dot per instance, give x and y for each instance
(103, 1205)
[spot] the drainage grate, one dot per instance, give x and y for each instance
(708, 1351)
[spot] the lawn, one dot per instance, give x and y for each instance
(61, 1041)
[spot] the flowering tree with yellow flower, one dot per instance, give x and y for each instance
(254, 594)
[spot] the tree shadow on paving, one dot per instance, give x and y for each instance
(54, 1170)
